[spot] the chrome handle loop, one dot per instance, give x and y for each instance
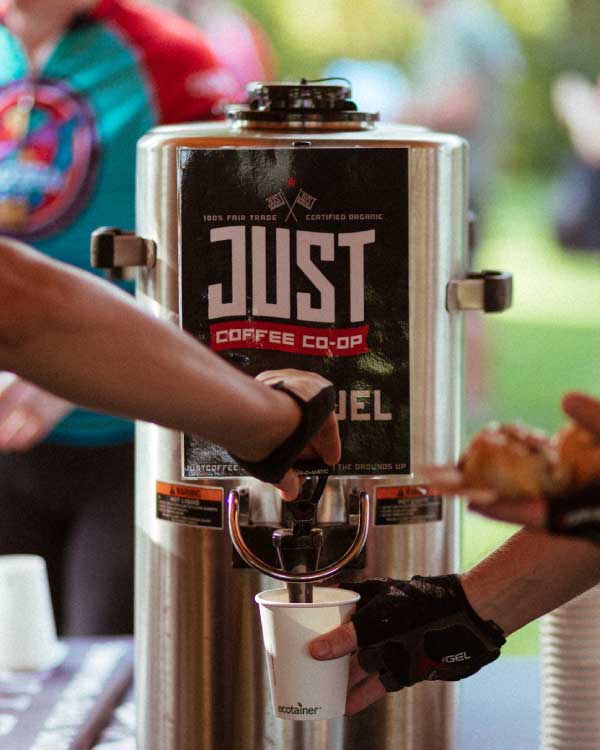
(233, 502)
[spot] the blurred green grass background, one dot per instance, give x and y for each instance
(548, 343)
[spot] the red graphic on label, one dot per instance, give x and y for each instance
(324, 342)
(406, 492)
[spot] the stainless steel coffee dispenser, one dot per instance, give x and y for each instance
(303, 234)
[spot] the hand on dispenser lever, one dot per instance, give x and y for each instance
(515, 474)
(316, 436)
(407, 632)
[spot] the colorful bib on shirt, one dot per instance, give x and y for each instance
(48, 157)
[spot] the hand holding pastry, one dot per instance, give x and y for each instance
(515, 474)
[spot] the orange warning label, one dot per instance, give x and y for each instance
(190, 505)
(186, 490)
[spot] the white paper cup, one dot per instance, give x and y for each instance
(27, 629)
(302, 688)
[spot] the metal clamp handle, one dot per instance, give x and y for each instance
(318, 575)
(490, 291)
(114, 248)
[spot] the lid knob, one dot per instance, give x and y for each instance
(303, 104)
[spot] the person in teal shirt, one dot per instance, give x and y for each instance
(80, 82)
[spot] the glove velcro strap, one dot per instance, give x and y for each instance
(432, 599)
(488, 628)
(447, 640)
(576, 513)
(314, 412)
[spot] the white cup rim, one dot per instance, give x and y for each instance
(22, 562)
(263, 600)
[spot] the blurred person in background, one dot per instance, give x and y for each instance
(577, 104)
(80, 82)
(236, 38)
(377, 85)
(461, 75)
(458, 79)
(576, 211)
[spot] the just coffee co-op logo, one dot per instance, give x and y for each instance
(294, 335)
(299, 258)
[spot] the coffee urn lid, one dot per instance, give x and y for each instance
(304, 102)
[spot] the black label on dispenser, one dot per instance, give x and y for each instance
(407, 505)
(299, 258)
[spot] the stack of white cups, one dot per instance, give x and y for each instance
(27, 629)
(570, 639)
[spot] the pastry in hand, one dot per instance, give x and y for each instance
(513, 461)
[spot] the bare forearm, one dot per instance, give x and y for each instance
(82, 339)
(530, 575)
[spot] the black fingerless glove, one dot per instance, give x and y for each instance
(576, 514)
(422, 629)
(314, 412)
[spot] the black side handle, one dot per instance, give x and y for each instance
(113, 248)
(497, 289)
(490, 291)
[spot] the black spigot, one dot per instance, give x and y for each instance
(299, 545)
(301, 514)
